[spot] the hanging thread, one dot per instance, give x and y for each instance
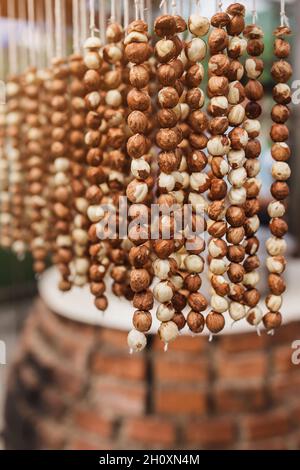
(149, 14)
(84, 21)
(92, 18)
(40, 35)
(58, 29)
(198, 6)
(126, 14)
(113, 11)
(49, 29)
(254, 12)
(30, 26)
(164, 6)
(219, 5)
(136, 8)
(76, 33)
(284, 21)
(174, 7)
(13, 50)
(142, 9)
(102, 20)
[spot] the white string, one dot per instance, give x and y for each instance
(149, 14)
(83, 18)
(126, 14)
(22, 20)
(12, 46)
(64, 28)
(92, 17)
(58, 29)
(113, 11)
(164, 6)
(198, 6)
(284, 21)
(142, 10)
(75, 20)
(49, 29)
(174, 7)
(219, 5)
(30, 26)
(136, 9)
(102, 20)
(40, 34)
(254, 12)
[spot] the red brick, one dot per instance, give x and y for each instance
(122, 366)
(175, 401)
(282, 359)
(286, 334)
(120, 399)
(150, 430)
(239, 397)
(242, 342)
(91, 422)
(283, 387)
(185, 343)
(171, 368)
(266, 425)
(269, 444)
(82, 444)
(210, 433)
(242, 366)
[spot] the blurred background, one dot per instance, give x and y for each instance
(151, 401)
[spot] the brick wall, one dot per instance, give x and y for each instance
(74, 386)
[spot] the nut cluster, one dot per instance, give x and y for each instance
(276, 246)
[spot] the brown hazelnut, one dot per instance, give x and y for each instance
(218, 65)
(236, 93)
(138, 100)
(255, 47)
(195, 98)
(252, 207)
(280, 113)
(139, 76)
(165, 50)
(281, 152)
(220, 285)
(251, 263)
(282, 93)
(236, 292)
(178, 67)
(218, 189)
(254, 90)
(166, 75)
(218, 125)
(197, 302)
(194, 76)
(179, 301)
(279, 132)
(101, 303)
(217, 41)
(251, 297)
(236, 273)
(235, 216)
(281, 71)
(142, 321)
(139, 256)
(97, 288)
(198, 121)
(219, 167)
(196, 161)
(92, 80)
(253, 148)
(192, 282)
(254, 67)
(216, 210)
(253, 110)
(167, 139)
(272, 320)
(236, 9)
(252, 245)
(217, 86)
(165, 26)
(198, 141)
(235, 71)
(139, 26)
(236, 25)
(235, 235)
(168, 97)
(139, 280)
(236, 253)
(282, 48)
(196, 322)
(276, 284)
(220, 20)
(163, 248)
(238, 138)
(278, 227)
(215, 322)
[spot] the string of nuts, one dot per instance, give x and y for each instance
(4, 182)
(281, 72)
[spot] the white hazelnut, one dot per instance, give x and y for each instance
(165, 312)
(198, 181)
(61, 164)
(218, 145)
(163, 48)
(81, 265)
(177, 281)
(61, 179)
(93, 99)
(251, 69)
(81, 205)
(275, 265)
(234, 92)
(253, 127)
(236, 158)
(237, 177)
(276, 246)
(196, 50)
(276, 209)
(137, 191)
(219, 102)
(166, 181)
(237, 196)
(253, 168)
(113, 98)
(183, 164)
(253, 223)
(184, 107)
(95, 213)
(218, 266)
(274, 302)
(92, 43)
(136, 341)
(194, 264)
(168, 332)
(198, 202)
(254, 316)
(92, 60)
(251, 279)
(237, 311)
(64, 241)
(218, 303)
(163, 292)
(135, 36)
(140, 168)
(281, 171)
(161, 269)
(198, 25)
(214, 249)
(80, 236)
(80, 280)
(237, 44)
(236, 115)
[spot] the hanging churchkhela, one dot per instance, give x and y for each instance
(127, 117)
